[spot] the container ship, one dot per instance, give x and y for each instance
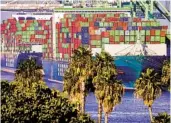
(135, 43)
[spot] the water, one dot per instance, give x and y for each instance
(130, 110)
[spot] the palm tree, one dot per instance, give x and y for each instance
(148, 88)
(78, 72)
(28, 71)
(99, 93)
(165, 78)
(162, 118)
(113, 93)
(104, 81)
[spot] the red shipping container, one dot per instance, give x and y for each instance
(131, 42)
(27, 24)
(91, 24)
(23, 28)
(165, 27)
(46, 27)
(47, 36)
(32, 40)
(116, 14)
(105, 34)
(111, 39)
(21, 21)
(152, 32)
(115, 24)
(139, 27)
(121, 38)
(125, 28)
(148, 38)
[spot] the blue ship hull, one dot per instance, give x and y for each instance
(12, 61)
(131, 66)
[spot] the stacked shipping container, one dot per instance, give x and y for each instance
(20, 35)
(74, 30)
(98, 29)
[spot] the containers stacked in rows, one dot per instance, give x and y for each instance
(94, 30)
(73, 30)
(19, 35)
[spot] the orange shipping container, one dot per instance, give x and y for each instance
(93, 37)
(152, 32)
(91, 31)
(120, 24)
(111, 39)
(98, 37)
(163, 33)
(77, 24)
(91, 24)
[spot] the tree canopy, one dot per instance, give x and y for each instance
(37, 104)
(29, 99)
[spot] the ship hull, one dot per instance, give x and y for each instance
(130, 66)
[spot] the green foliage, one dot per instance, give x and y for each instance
(29, 99)
(148, 87)
(28, 70)
(77, 78)
(165, 77)
(162, 118)
(35, 104)
(108, 89)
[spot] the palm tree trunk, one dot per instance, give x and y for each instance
(83, 98)
(106, 117)
(99, 111)
(150, 112)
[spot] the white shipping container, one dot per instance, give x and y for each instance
(97, 32)
(102, 29)
(126, 32)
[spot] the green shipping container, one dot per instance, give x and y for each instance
(147, 32)
(65, 45)
(157, 32)
(126, 38)
(58, 55)
(139, 24)
(142, 38)
(152, 38)
(162, 39)
(116, 38)
(132, 38)
(117, 32)
(132, 32)
(105, 40)
(101, 24)
(121, 32)
(157, 38)
(66, 56)
(134, 24)
(142, 32)
(143, 23)
(95, 42)
(148, 24)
